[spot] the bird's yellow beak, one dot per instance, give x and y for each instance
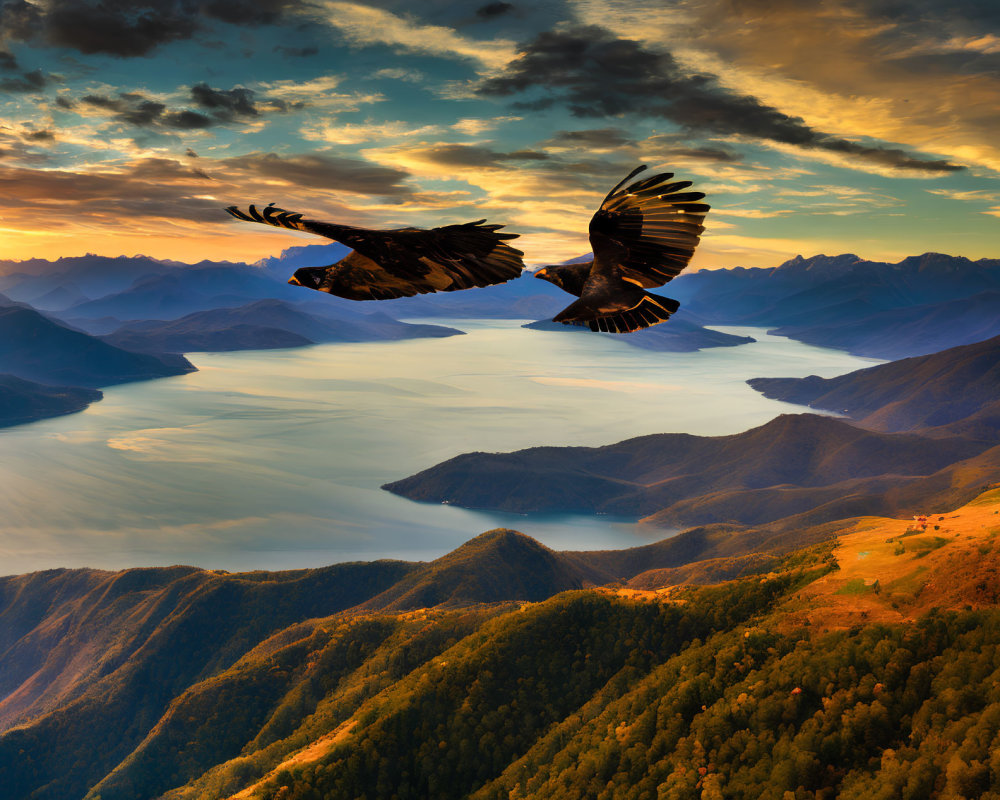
(294, 281)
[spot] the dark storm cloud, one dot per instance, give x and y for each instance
(662, 146)
(7, 60)
(39, 136)
(220, 106)
(469, 155)
(322, 171)
(597, 74)
(595, 138)
(225, 103)
(705, 154)
(977, 16)
(33, 81)
(135, 109)
(129, 28)
(19, 19)
(491, 10)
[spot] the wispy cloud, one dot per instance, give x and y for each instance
(473, 127)
(970, 195)
(369, 25)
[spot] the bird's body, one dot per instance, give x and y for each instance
(400, 263)
(642, 236)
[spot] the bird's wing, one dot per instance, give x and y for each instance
(657, 222)
(437, 260)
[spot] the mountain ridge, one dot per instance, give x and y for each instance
(36, 348)
(951, 391)
(798, 456)
(521, 693)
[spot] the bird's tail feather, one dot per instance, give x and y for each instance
(651, 310)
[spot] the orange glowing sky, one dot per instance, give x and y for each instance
(851, 126)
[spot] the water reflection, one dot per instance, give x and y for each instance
(273, 459)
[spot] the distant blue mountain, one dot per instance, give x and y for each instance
(92, 276)
(872, 308)
(36, 348)
(264, 324)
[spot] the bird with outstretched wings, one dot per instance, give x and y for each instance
(400, 263)
(643, 235)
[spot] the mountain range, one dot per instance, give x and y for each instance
(956, 391)
(501, 670)
(264, 324)
(926, 430)
(790, 645)
(795, 464)
(36, 348)
(916, 306)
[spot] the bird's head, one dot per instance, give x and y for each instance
(549, 275)
(310, 277)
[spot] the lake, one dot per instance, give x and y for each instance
(273, 459)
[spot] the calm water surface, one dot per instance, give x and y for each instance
(273, 459)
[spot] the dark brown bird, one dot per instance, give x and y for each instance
(642, 236)
(400, 263)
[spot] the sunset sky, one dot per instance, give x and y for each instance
(865, 126)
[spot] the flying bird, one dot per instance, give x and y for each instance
(643, 235)
(400, 263)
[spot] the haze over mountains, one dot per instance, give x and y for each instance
(265, 324)
(43, 365)
(916, 306)
(221, 307)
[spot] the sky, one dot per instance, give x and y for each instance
(862, 126)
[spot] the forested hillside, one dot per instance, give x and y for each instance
(865, 666)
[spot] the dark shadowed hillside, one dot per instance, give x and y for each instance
(957, 389)
(787, 466)
(36, 348)
(902, 332)
(916, 306)
(107, 652)
(25, 401)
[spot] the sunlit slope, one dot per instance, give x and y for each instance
(786, 689)
(91, 660)
(896, 570)
(862, 666)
